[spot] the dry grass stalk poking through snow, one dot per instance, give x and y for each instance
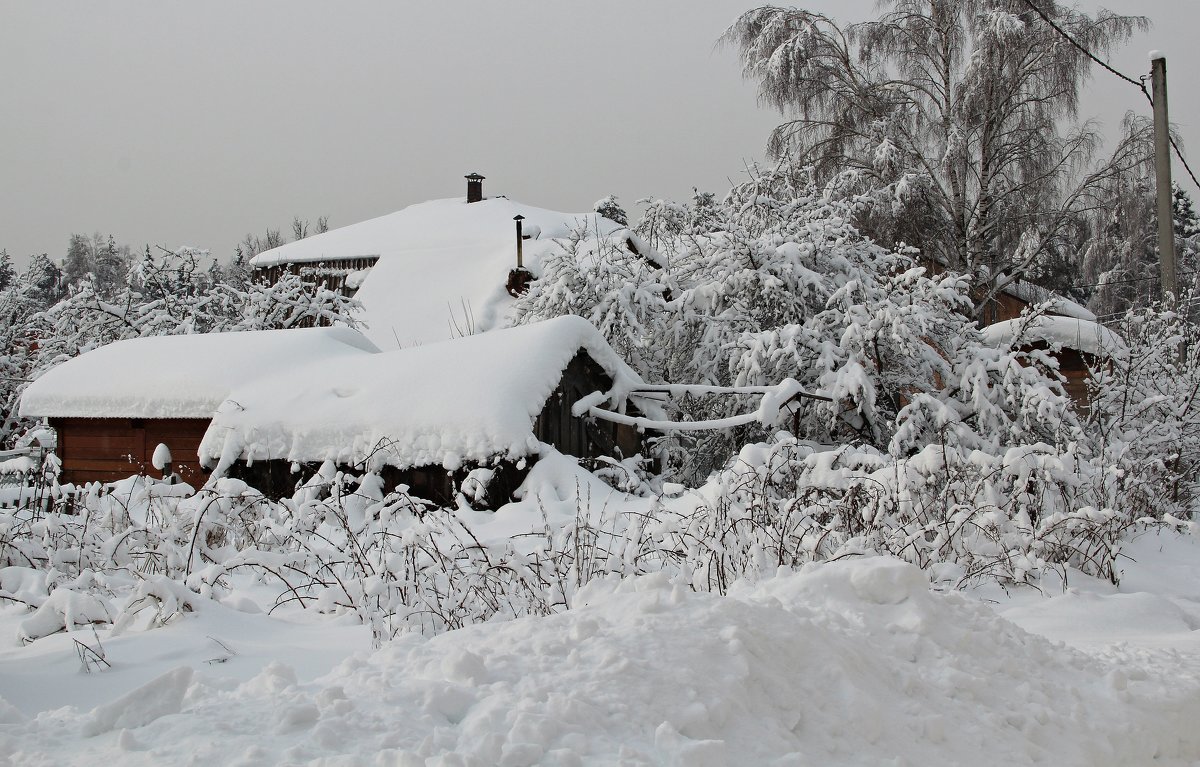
(399, 564)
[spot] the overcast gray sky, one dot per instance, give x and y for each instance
(195, 123)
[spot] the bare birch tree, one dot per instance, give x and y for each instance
(949, 117)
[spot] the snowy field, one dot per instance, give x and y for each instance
(855, 662)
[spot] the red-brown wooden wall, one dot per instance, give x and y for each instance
(108, 449)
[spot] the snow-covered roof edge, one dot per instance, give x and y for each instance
(178, 376)
(471, 399)
(1059, 304)
(430, 225)
(1068, 332)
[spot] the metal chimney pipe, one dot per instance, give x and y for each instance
(519, 218)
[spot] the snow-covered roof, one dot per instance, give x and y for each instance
(442, 264)
(1030, 293)
(184, 376)
(468, 399)
(1068, 332)
(1060, 304)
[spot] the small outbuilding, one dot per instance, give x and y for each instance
(113, 406)
(1077, 344)
(272, 406)
(428, 416)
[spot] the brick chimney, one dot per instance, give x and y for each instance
(474, 187)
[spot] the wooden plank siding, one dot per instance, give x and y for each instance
(109, 449)
(1073, 364)
(1004, 306)
(583, 437)
(1000, 308)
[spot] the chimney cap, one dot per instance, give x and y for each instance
(474, 177)
(518, 217)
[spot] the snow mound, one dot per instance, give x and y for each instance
(850, 663)
(160, 697)
(886, 581)
(185, 376)
(64, 610)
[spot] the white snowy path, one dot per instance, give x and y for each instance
(855, 663)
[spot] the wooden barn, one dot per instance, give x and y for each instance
(427, 416)
(111, 407)
(1077, 344)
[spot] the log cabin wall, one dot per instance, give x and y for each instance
(1000, 308)
(330, 274)
(109, 449)
(1073, 365)
(583, 437)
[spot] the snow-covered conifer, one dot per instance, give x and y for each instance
(610, 208)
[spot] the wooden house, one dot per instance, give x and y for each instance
(1067, 331)
(1011, 302)
(111, 407)
(434, 270)
(427, 416)
(1077, 344)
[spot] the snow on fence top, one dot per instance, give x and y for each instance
(184, 376)
(470, 399)
(1068, 332)
(442, 264)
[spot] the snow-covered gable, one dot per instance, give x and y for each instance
(1066, 332)
(185, 376)
(470, 399)
(442, 264)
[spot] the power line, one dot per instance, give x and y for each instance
(1140, 83)
(1066, 36)
(1104, 318)
(1125, 280)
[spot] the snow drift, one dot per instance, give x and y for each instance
(851, 663)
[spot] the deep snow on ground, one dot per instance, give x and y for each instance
(855, 662)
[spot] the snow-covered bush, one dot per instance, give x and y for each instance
(953, 454)
(775, 282)
(963, 514)
(339, 544)
(1145, 416)
(600, 279)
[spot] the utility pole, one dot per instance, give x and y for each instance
(1162, 175)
